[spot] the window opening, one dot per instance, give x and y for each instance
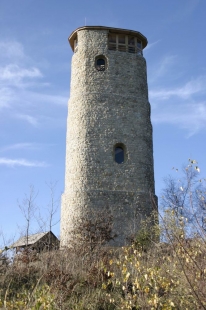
(131, 45)
(139, 47)
(121, 43)
(112, 42)
(100, 64)
(119, 154)
(121, 39)
(139, 44)
(112, 38)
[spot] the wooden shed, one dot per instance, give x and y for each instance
(44, 241)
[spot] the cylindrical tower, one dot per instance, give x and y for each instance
(109, 147)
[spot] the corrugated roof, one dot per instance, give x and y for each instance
(31, 239)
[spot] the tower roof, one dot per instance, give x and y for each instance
(73, 35)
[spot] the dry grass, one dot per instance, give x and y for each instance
(145, 275)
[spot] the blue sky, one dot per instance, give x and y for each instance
(35, 62)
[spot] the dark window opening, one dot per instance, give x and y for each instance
(100, 64)
(121, 43)
(112, 42)
(112, 38)
(139, 44)
(121, 39)
(139, 47)
(119, 154)
(131, 44)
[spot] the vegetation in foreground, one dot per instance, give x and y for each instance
(145, 275)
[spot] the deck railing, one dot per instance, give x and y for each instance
(125, 48)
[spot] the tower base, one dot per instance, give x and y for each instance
(127, 209)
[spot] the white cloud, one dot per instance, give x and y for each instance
(20, 146)
(14, 73)
(162, 68)
(25, 146)
(150, 45)
(190, 88)
(15, 64)
(39, 97)
(191, 117)
(28, 118)
(5, 96)
(17, 73)
(183, 106)
(165, 64)
(11, 50)
(20, 87)
(21, 162)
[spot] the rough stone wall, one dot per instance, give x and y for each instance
(106, 108)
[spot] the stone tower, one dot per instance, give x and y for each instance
(109, 147)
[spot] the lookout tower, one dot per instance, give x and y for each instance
(109, 147)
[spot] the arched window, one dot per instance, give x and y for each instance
(119, 154)
(100, 64)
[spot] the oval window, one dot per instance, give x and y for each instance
(119, 154)
(100, 63)
(100, 66)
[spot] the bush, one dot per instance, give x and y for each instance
(147, 274)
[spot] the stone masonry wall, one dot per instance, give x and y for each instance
(106, 108)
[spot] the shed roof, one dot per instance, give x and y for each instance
(31, 239)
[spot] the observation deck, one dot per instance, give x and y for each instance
(122, 40)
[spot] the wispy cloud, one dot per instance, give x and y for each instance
(21, 162)
(12, 50)
(165, 64)
(23, 86)
(5, 97)
(20, 146)
(59, 100)
(191, 117)
(162, 68)
(28, 118)
(186, 91)
(150, 45)
(17, 74)
(14, 73)
(27, 146)
(16, 67)
(184, 106)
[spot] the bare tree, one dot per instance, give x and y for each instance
(47, 222)
(186, 198)
(28, 208)
(53, 205)
(52, 208)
